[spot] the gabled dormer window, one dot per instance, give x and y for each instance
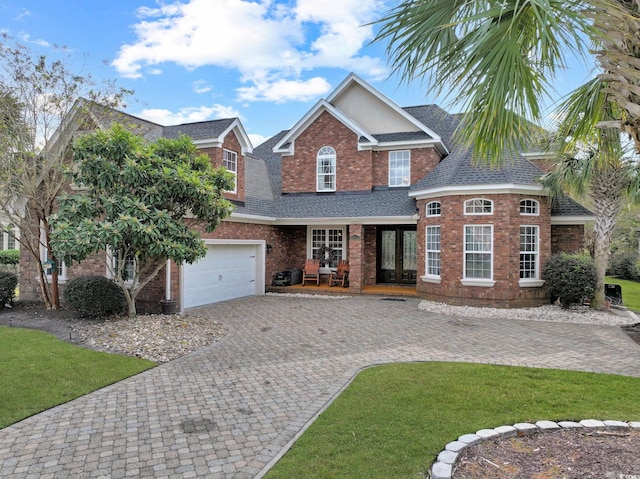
(478, 206)
(529, 207)
(230, 162)
(433, 208)
(399, 168)
(326, 169)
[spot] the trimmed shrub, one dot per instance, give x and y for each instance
(8, 283)
(10, 256)
(94, 296)
(625, 266)
(571, 278)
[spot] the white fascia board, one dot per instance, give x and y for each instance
(353, 78)
(361, 220)
(245, 218)
(310, 117)
(208, 143)
(537, 154)
(243, 138)
(400, 145)
(457, 190)
(571, 220)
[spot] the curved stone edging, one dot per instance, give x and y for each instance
(443, 467)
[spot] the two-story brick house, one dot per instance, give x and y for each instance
(362, 179)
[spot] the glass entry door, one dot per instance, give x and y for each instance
(397, 255)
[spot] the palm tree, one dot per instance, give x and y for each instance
(499, 59)
(596, 165)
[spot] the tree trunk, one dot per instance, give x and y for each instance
(606, 191)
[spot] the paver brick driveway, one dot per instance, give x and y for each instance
(229, 410)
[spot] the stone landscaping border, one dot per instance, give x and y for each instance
(443, 466)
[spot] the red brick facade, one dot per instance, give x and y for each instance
(506, 221)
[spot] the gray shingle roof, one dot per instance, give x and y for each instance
(563, 205)
(202, 130)
(403, 136)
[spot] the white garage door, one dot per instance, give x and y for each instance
(226, 272)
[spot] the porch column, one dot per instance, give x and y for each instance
(356, 258)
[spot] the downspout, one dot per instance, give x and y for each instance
(167, 286)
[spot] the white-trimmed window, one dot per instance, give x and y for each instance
(129, 266)
(478, 252)
(230, 162)
(326, 243)
(433, 208)
(400, 168)
(530, 256)
(529, 207)
(326, 169)
(8, 239)
(478, 206)
(432, 266)
(60, 267)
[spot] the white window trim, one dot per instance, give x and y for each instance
(481, 282)
(110, 266)
(4, 237)
(431, 278)
(235, 173)
(431, 215)
(532, 282)
(389, 169)
(62, 273)
(335, 171)
(464, 207)
(324, 269)
(537, 213)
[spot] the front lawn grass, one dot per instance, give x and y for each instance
(38, 371)
(393, 420)
(630, 292)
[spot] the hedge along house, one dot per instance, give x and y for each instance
(362, 179)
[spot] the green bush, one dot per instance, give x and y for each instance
(571, 278)
(624, 266)
(10, 256)
(94, 296)
(8, 283)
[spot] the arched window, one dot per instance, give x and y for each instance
(433, 208)
(478, 206)
(326, 169)
(529, 207)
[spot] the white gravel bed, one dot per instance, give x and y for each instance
(553, 313)
(156, 337)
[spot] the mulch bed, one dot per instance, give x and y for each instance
(564, 454)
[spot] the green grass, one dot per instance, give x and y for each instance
(630, 292)
(38, 371)
(393, 420)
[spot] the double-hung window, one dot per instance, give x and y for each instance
(126, 264)
(326, 169)
(432, 266)
(8, 237)
(327, 245)
(478, 255)
(399, 168)
(530, 256)
(230, 162)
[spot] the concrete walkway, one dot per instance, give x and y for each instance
(230, 410)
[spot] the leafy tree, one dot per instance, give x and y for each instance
(37, 98)
(141, 201)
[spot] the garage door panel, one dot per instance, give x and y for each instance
(226, 272)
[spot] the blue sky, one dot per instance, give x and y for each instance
(265, 61)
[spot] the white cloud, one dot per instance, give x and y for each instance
(201, 86)
(280, 90)
(256, 139)
(271, 43)
(189, 114)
